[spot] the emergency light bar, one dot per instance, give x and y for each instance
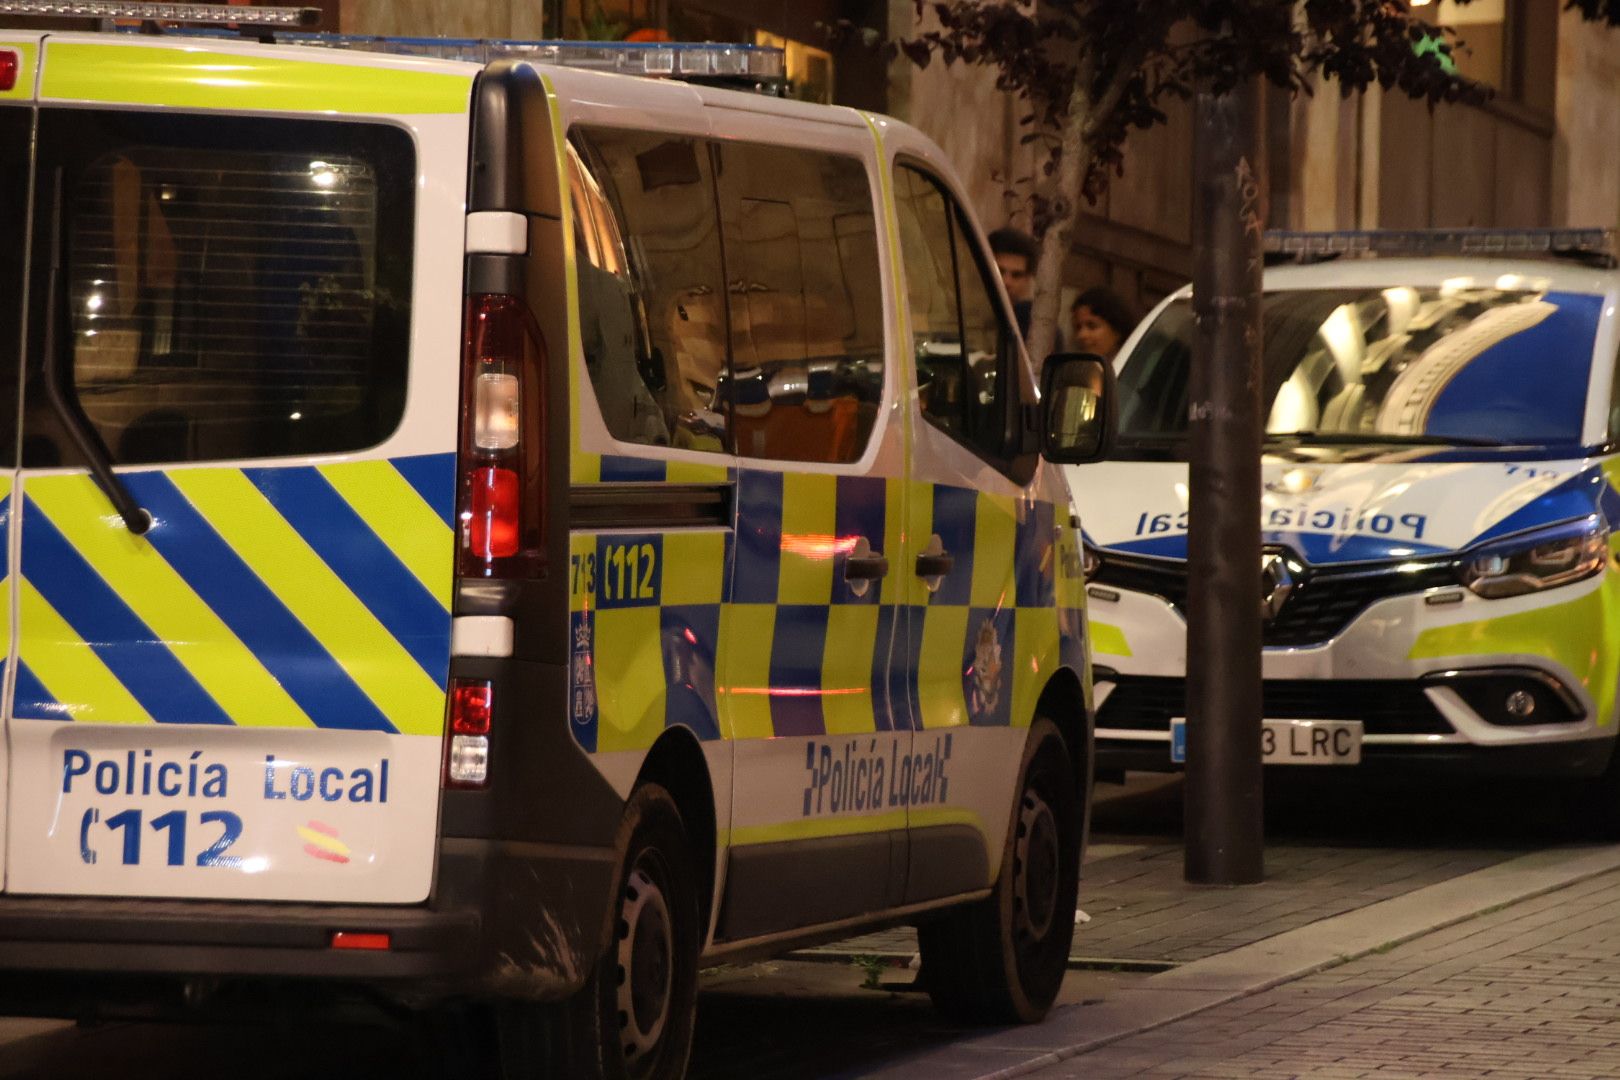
(676, 60)
(214, 14)
(1588, 245)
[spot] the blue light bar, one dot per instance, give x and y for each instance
(1587, 243)
(225, 14)
(660, 59)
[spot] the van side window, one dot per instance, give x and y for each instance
(806, 292)
(964, 349)
(234, 288)
(651, 306)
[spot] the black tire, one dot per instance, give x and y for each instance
(633, 1018)
(1002, 959)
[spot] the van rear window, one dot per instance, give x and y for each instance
(235, 288)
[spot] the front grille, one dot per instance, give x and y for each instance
(1384, 706)
(1321, 605)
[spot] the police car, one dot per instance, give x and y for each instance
(485, 529)
(1438, 584)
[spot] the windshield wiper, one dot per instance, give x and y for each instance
(136, 519)
(1349, 438)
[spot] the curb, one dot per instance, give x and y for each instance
(1204, 984)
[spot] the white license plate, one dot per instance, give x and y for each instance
(1292, 742)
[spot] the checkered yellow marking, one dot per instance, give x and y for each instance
(748, 631)
(809, 521)
(696, 472)
(58, 657)
(939, 668)
(694, 567)
(846, 666)
(1036, 632)
(995, 532)
(630, 685)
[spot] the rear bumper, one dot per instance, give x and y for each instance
(506, 919)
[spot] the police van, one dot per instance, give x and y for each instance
(491, 531)
(1438, 584)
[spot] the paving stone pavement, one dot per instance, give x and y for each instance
(1141, 910)
(1530, 991)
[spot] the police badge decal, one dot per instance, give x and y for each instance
(986, 670)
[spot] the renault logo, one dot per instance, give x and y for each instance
(1277, 583)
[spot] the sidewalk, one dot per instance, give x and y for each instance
(1262, 1009)
(1530, 991)
(1142, 913)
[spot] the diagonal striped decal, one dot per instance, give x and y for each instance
(136, 655)
(411, 700)
(33, 701)
(402, 519)
(56, 654)
(303, 667)
(332, 529)
(159, 597)
(434, 478)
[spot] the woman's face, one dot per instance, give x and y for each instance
(1092, 335)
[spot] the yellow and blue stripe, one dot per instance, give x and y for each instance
(275, 597)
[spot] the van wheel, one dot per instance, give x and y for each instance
(1002, 959)
(633, 1018)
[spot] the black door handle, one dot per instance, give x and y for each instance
(935, 565)
(866, 567)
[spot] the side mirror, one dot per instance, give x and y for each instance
(1077, 408)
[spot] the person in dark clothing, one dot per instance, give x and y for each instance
(1100, 322)
(1016, 254)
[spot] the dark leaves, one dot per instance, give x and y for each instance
(1120, 61)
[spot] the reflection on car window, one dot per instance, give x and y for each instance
(806, 292)
(652, 310)
(1462, 362)
(961, 342)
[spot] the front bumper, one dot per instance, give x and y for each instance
(1427, 674)
(505, 919)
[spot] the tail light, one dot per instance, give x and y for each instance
(8, 69)
(503, 498)
(472, 709)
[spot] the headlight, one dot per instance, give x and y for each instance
(1538, 560)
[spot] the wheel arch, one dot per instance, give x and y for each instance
(676, 763)
(1063, 701)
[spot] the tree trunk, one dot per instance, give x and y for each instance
(1065, 195)
(1223, 793)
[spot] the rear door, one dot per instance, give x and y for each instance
(236, 492)
(18, 54)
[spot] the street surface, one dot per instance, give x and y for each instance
(1335, 846)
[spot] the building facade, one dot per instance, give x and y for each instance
(1544, 151)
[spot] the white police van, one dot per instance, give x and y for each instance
(489, 531)
(1438, 584)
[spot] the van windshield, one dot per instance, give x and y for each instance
(1402, 364)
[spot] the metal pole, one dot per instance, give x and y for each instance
(1224, 823)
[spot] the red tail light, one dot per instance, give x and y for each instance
(466, 749)
(502, 439)
(8, 69)
(472, 703)
(492, 522)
